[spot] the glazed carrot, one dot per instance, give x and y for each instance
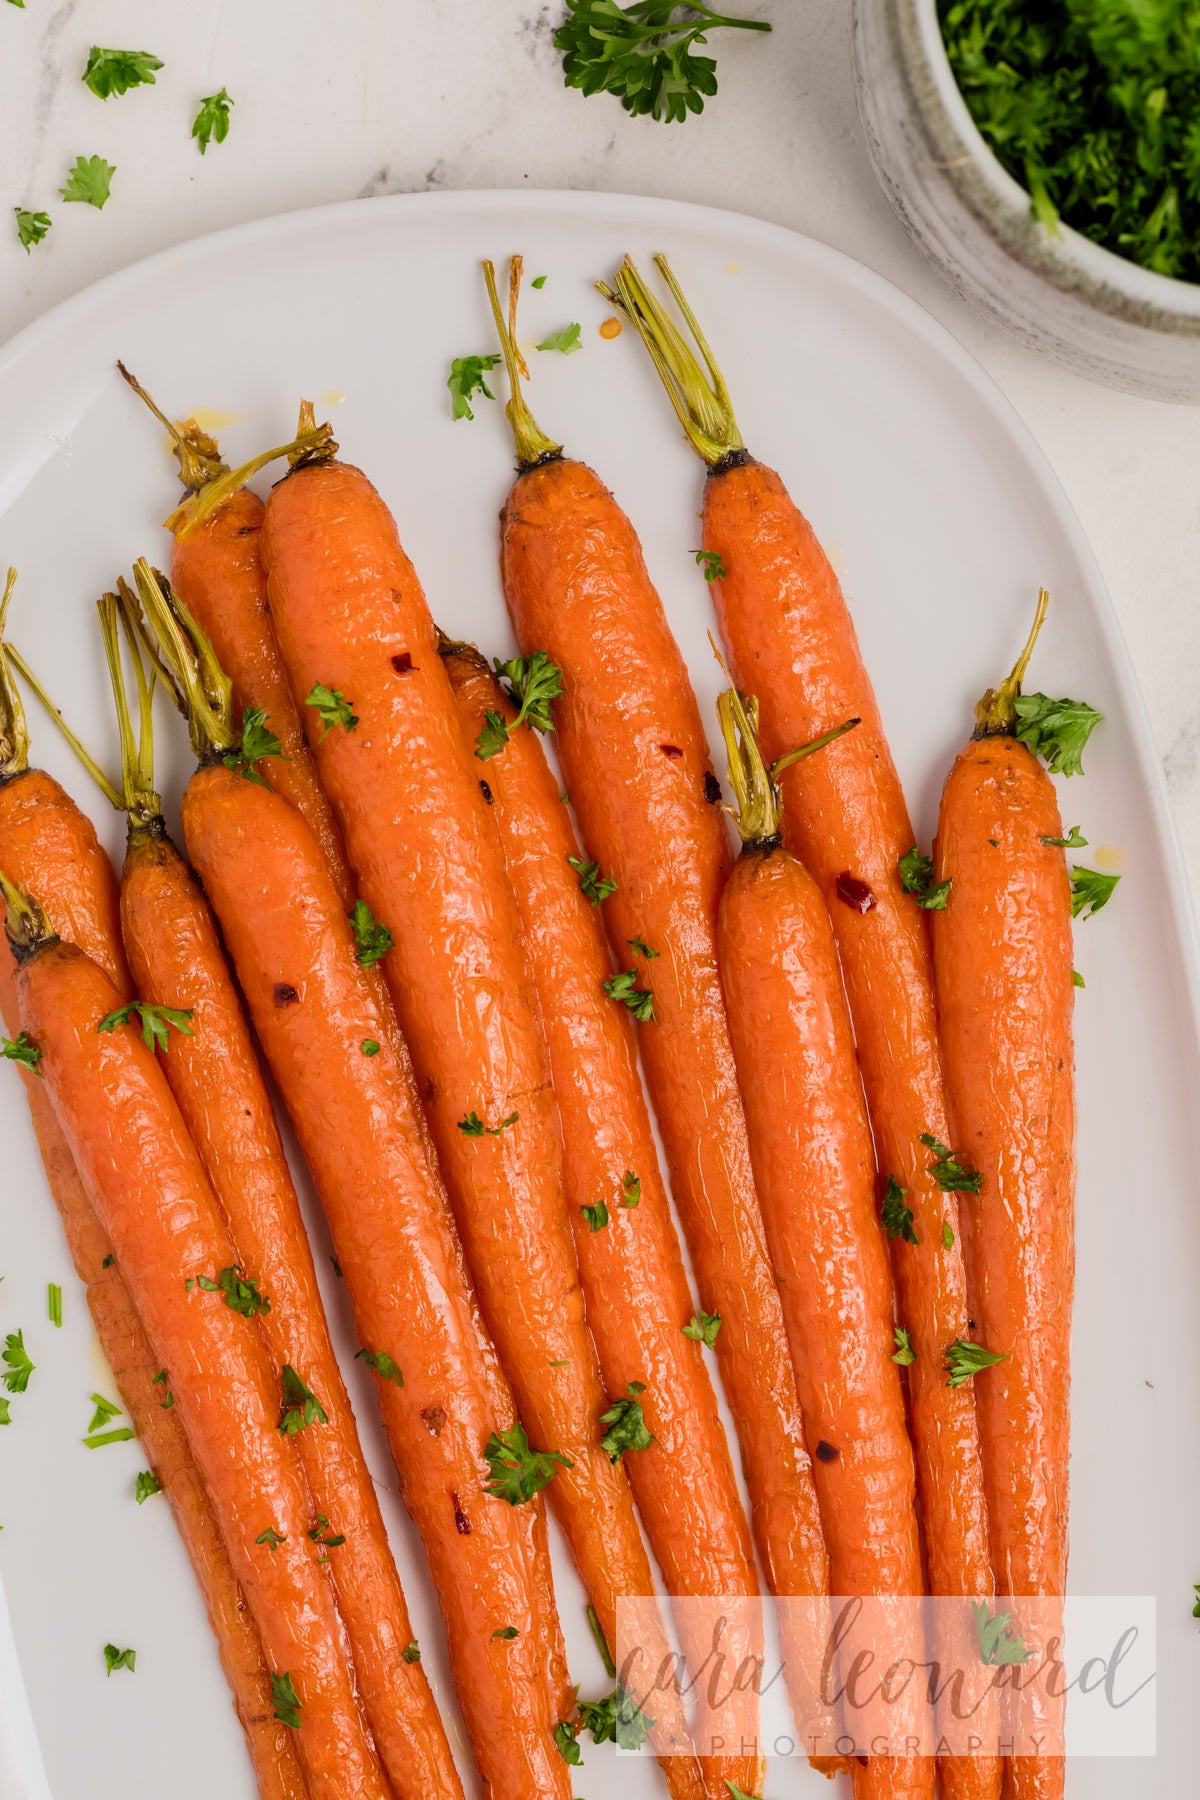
(358, 641)
(632, 747)
(814, 1167)
(148, 1187)
(635, 1290)
(791, 641)
(50, 845)
(1003, 956)
(317, 1020)
(176, 959)
(215, 566)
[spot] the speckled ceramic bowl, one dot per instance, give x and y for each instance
(1058, 292)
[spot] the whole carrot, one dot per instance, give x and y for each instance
(635, 1290)
(357, 639)
(792, 642)
(49, 845)
(634, 754)
(814, 1167)
(146, 1183)
(1003, 959)
(177, 961)
(217, 569)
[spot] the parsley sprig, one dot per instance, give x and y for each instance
(371, 939)
(211, 123)
(111, 72)
(532, 683)
(644, 53)
(517, 1473)
(949, 1171)
(301, 1407)
(964, 1359)
(258, 741)
(240, 1291)
(31, 227)
(155, 1021)
(895, 1217)
(592, 884)
(466, 378)
(23, 1050)
(704, 1328)
(17, 1365)
(1056, 730)
(624, 987)
(286, 1701)
(1090, 890)
(616, 1720)
(626, 1421)
(916, 878)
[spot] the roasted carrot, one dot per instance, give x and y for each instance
(148, 1187)
(635, 1289)
(633, 750)
(216, 567)
(358, 641)
(1003, 956)
(176, 960)
(50, 845)
(814, 1168)
(289, 937)
(791, 641)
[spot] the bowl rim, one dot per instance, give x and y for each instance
(1068, 258)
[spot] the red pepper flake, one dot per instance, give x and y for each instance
(854, 892)
(285, 993)
(670, 749)
(461, 1521)
(403, 664)
(434, 1418)
(826, 1452)
(712, 787)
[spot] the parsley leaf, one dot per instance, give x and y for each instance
(999, 1647)
(411, 1653)
(624, 987)
(643, 53)
(119, 1659)
(640, 947)
(517, 1472)
(54, 1303)
(271, 1538)
(5, 1413)
(18, 1368)
(506, 1633)
(31, 227)
(568, 340)
(710, 562)
(473, 1125)
(964, 1359)
(564, 1741)
(1074, 840)
(627, 1428)
(493, 735)
(23, 1050)
(631, 1190)
(258, 741)
(465, 378)
(146, 1485)
(532, 682)
(905, 1354)
(539, 281)
(1056, 730)
(332, 707)
(89, 180)
(104, 1411)
(1077, 978)
(947, 1235)
(328, 1540)
(301, 1407)
(116, 71)
(916, 878)
(211, 123)
(616, 1720)
(1090, 890)
(160, 1380)
(895, 1217)
(382, 1363)
(596, 1216)
(371, 939)
(370, 1046)
(240, 1292)
(155, 1020)
(703, 1328)
(285, 1700)
(592, 884)
(951, 1174)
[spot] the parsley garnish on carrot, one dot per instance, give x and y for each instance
(896, 1218)
(703, 1328)
(949, 1171)
(1090, 890)
(258, 741)
(505, 1633)
(616, 1720)
(627, 1428)
(964, 1359)
(999, 1645)
(1074, 840)
(565, 1744)
(89, 180)
(239, 1290)
(905, 1354)
(382, 1364)
(473, 1125)
(517, 1473)
(640, 947)
(17, 1365)
(411, 1653)
(1056, 730)
(301, 1407)
(624, 987)
(370, 1046)
(286, 1701)
(531, 683)
(466, 378)
(211, 123)
(160, 1380)
(916, 878)
(709, 560)
(332, 708)
(31, 227)
(643, 53)
(23, 1050)
(115, 1659)
(596, 1216)
(631, 1189)
(111, 72)
(321, 1534)
(592, 884)
(155, 1021)
(371, 939)
(271, 1538)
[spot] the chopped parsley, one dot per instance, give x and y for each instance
(240, 1291)
(592, 884)
(596, 1216)
(301, 1407)
(146, 1486)
(89, 180)
(916, 878)
(160, 1380)
(31, 227)
(539, 281)
(627, 1428)
(703, 1328)
(115, 1659)
(631, 1190)
(568, 340)
(5, 1413)
(321, 1534)
(505, 1633)
(54, 1303)
(532, 683)
(947, 1235)
(624, 987)
(1074, 840)
(710, 562)
(370, 1046)
(466, 378)
(617, 1720)
(104, 1410)
(473, 1126)
(905, 1354)
(949, 1171)
(896, 1218)
(371, 939)
(271, 1538)
(1056, 730)
(517, 1473)
(17, 1366)
(640, 947)
(155, 1021)
(97, 1440)
(111, 72)
(964, 1359)
(1090, 890)
(382, 1364)
(331, 707)
(642, 53)
(258, 742)
(286, 1701)
(565, 1744)
(211, 123)
(411, 1653)
(999, 1645)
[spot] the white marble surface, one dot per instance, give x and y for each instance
(385, 96)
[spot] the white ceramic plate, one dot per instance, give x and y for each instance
(943, 519)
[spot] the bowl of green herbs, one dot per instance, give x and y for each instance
(1045, 154)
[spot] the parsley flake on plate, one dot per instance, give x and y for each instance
(110, 72)
(211, 123)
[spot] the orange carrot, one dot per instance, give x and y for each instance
(791, 641)
(215, 566)
(632, 747)
(815, 1171)
(172, 1246)
(49, 845)
(358, 641)
(177, 961)
(635, 1289)
(1003, 956)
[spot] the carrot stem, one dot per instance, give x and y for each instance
(533, 446)
(80, 750)
(203, 692)
(312, 443)
(698, 393)
(757, 812)
(199, 455)
(14, 730)
(25, 924)
(141, 802)
(818, 743)
(996, 713)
